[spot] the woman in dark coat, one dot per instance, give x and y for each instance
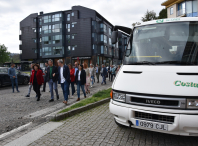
(36, 79)
(80, 80)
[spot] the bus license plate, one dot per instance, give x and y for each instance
(151, 125)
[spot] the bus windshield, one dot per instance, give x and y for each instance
(168, 43)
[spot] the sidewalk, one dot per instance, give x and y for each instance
(97, 127)
(17, 110)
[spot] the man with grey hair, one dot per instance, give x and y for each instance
(64, 79)
(52, 78)
(92, 72)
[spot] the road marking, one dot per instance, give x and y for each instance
(35, 134)
(4, 135)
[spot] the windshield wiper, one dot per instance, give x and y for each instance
(142, 63)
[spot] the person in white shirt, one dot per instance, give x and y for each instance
(64, 79)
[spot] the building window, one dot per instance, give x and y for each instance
(56, 27)
(35, 50)
(74, 47)
(102, 49)
(32, 39)
(56, 39)
(110, 51)
(40, 29)
(40, 52)
(94, 26)
(46, 39)
(57, 50)
(56, 17)
(46, 29)
(34, 29)
(40, 40)
(68, 50)
(47, 51)
(68, 38)
(73, 23)
(94, 36)
(73, 36)
(40, 21)
(46, 19)
(105, 50)
(68, 17)
(68, 27)
(105, 39)
(109, 31)
(94, 47)
(34, 19)
(105, 28)
(101, 37)
(171, 10)
(72, 13)
(110, 41)
(101, 27)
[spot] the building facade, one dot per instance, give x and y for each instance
(80, 34)
(181, 8)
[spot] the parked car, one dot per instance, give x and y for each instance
(5, 79)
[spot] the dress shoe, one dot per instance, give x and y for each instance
(57, 97)
(78, 99)
(27, 96)
(51, 100)
(38, 99)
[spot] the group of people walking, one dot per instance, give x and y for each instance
(66, 76)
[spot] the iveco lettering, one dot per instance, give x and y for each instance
(156, 88)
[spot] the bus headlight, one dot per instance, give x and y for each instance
(119, 97)
(192, 103)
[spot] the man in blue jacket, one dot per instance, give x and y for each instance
(64, 79)
(104, 74)
(13, 77)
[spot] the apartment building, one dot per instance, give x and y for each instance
(80, 34)
(181, 8)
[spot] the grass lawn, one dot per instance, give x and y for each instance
(96, 97)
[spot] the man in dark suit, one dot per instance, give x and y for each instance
(104, 74)
(52, 78)
(64, 79)
(45, 77)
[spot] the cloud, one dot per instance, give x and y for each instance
(118, 12)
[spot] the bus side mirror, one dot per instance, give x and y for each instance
(114, 37)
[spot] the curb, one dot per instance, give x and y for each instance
(73, 112)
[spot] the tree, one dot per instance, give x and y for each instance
(149, 15)
(162, 14)
(16, 58)
(4, 54)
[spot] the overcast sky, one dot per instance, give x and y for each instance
(118, 12)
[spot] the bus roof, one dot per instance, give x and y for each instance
(169, 20)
